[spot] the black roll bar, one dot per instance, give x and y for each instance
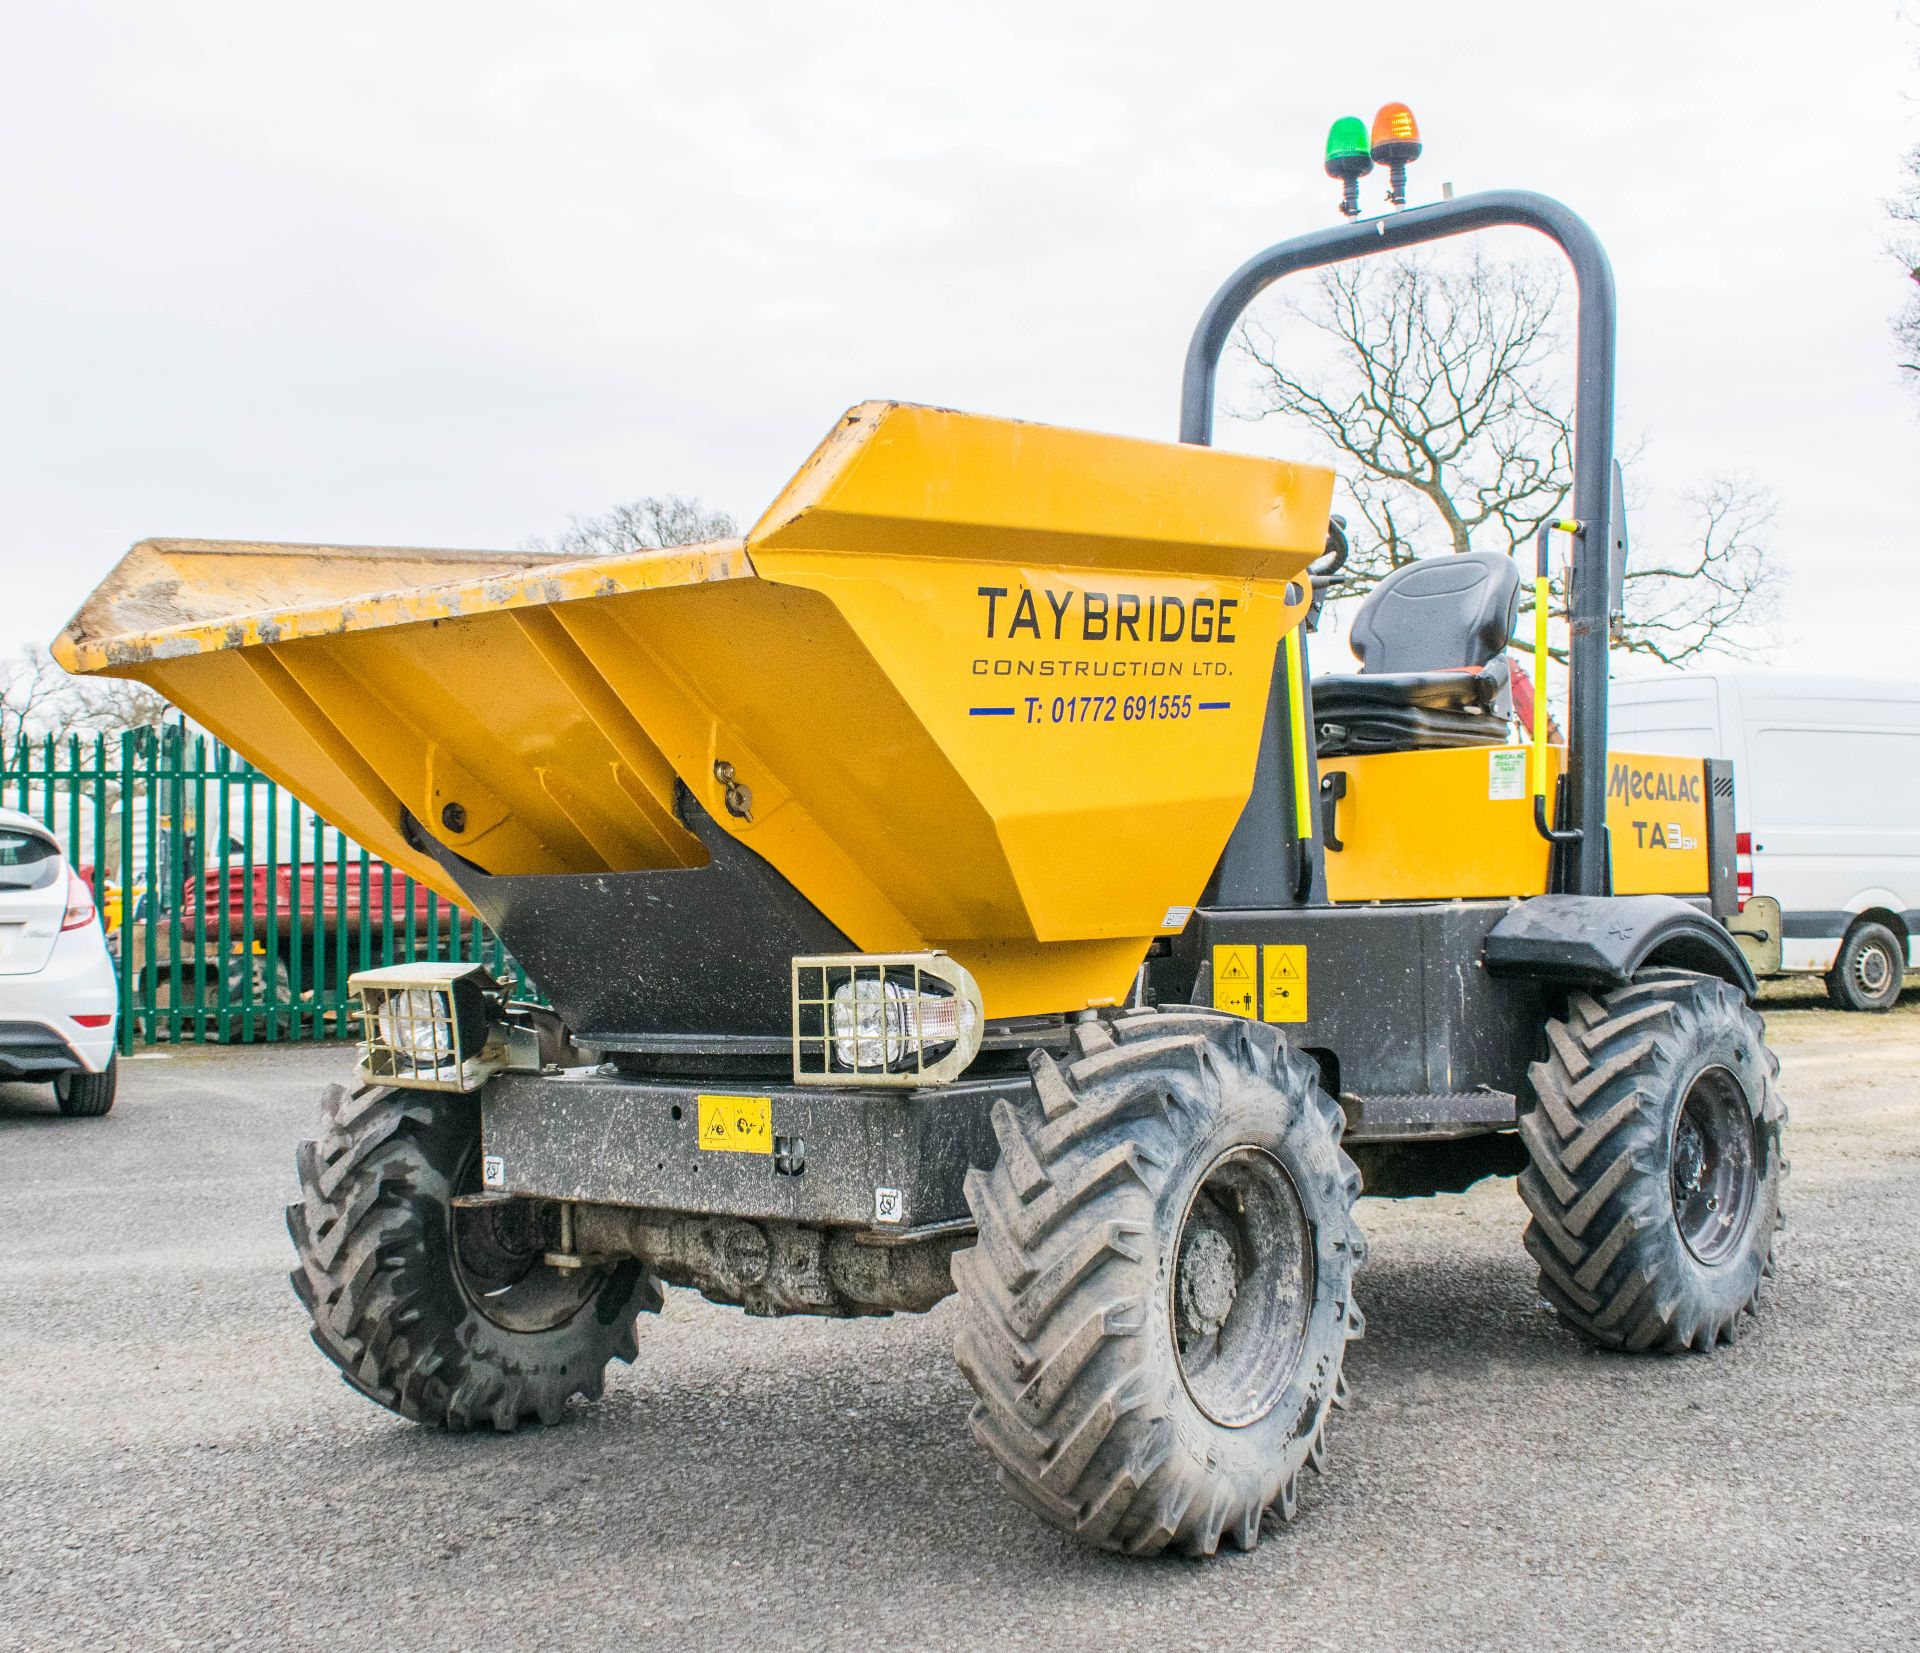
(1590, 600)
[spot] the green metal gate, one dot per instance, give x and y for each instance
(233, 911)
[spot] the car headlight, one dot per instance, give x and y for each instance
(883, 1019)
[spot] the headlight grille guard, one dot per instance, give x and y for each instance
(436, 1026)
(900, 985)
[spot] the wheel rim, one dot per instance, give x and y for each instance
(1715, 1170)
(498, 1258)
(1242, 1287)
(1872, 969)
(266, 979)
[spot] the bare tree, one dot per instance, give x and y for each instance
(1904, 209)
(38, 699)
(110, 704)
(1440, 401)
(34, 699)
(643, 524)
(1716, 592)
(1444, 410)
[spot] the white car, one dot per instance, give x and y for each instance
(58, 996)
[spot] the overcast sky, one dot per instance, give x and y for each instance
(443, 275)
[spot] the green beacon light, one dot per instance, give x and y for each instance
(1349, 158)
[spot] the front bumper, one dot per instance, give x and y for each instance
(885, 1160)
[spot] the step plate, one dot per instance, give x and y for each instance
(1412, 1117)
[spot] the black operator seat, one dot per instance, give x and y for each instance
(1432, 640)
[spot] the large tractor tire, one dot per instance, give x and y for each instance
(1158, 1306)
(1869, 971)
(444, 1313)
(1655, 1149)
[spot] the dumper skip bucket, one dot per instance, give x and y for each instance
(969, 684)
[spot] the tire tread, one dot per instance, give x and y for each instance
(1598, 1162)
(371, 1185)
(1059, 1278)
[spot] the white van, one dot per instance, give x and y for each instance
(1826, 774)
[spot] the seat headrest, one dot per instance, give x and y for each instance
(1438, 613)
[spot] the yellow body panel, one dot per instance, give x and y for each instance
(992, 687)
(1422, 826)
(1657, 824)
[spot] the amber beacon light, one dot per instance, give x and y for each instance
(1396, 145)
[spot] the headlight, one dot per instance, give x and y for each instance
(877, 1023)
(883, 1019)
(427, 1025)
(417, 1023)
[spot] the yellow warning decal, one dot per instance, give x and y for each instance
(736, 1124)
(1285, 999)
(1233, 978)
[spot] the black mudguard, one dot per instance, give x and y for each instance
(1605, 940)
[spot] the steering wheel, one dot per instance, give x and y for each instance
(1324, 570)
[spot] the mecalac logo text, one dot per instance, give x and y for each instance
(1658, 786)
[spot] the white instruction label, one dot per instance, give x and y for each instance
(1506, 776)
(493, 1171)
(1176, 918)
(889, 1205)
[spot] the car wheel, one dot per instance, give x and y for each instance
(87, 1095)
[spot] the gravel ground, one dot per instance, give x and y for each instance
(178, 1467)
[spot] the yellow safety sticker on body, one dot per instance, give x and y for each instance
(736, 1124)
(1233, 978)
(1285, 980)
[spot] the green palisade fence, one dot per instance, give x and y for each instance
(233, 911)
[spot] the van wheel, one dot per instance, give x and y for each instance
(1156, 1313)
(87, 1095)
(1869, 971)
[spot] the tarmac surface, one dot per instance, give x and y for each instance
(180, 1468)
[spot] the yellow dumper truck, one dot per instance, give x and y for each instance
(940, 889)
